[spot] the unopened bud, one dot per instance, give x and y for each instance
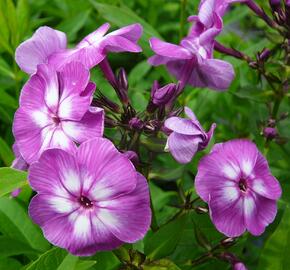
(136, 123)
(270, 133)
(164, 94)
(239, 266)
(122, 86)
(264, 54)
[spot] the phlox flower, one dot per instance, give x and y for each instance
(187, 136)
(236, 182)
(50, 46)
(55, 111)
(92, 201)
(192, 60)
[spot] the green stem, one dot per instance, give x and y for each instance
(182, 18)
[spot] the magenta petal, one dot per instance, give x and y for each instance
(227, 214)
(55, 173)
(259, 213)
(74, 78)
(183, 147)
(157, 60)
(90, 126)
(128, 217)
(119, 44)
(206, 11)
(216, 74)
(182, 126)
(131, 32)
(38, 48)
(51, 87)
(94, 37)
(268, 187)
(106, 166)
(169, 50)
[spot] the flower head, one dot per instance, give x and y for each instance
(49, 46)
(192, 61)
(55, 111)
(187, 136)
(236, 182)
(89, 202)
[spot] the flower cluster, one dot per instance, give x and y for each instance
(90, 194)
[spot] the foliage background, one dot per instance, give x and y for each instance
(239, 112)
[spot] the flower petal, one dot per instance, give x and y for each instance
(227, 212)
(108, 172)
(90, 126)
(44, 42)
(216, 74)
(56, 173)
(182, 126)
(128, 217)
(183, 147)
(259, 213)
(169, 50)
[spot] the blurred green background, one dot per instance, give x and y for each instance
(240, 112)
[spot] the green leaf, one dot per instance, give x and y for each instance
(122, 16)
(54, 258)
(73, 24)
(5, 153)
(4, 29)
(5, 69)
(163, 264)
(138, 72)
(165, 240)
(22, 12)
(275, 254)
(12, 247)
(12, 22)
(9, 264)
(84, 265)
(15, 223)
(69, 262)
(11, 179)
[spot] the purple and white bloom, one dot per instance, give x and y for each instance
(236, 181)
(187, 136)
(92, 201)
(55, 111)
(50, 46)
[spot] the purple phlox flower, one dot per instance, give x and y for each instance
(19, 164)
(192, 61)
(187, 136)
(132, 156)
(239, 266)
(237, 183)
(55, 111)
(49, 45)
(92, 201)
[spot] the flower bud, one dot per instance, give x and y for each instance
(136, 123)
(264, 54)
(201, 210)
(122, 86)
(104, 102)
(270, 133)
(239, 266)
(164, 94)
